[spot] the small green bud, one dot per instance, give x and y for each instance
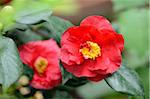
(38, 95)
(24, 80)
(7, 9)
(24, 90)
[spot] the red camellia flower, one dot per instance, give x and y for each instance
(92, 49)
(43, 58)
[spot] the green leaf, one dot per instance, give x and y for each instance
(27, 35)
(62, 95)
(32, 16)
(10, 63)
(19, 26)
(28, 71)
(126, 80)
(76, 82)
(57, 26)
(31, 11)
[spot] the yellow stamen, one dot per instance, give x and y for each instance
(40, 64)
(90, 50)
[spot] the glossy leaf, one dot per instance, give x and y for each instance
(126, 80)
(10, 63)
(33, 16)
(29, 14)
(76, 82)
(62, 95)
(27, 35)
(57, 29)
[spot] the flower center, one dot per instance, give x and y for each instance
(40, 64)
(90, 50)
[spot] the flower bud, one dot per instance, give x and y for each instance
(7, 9)
(38, 95)
(24, 80)
(24, 90)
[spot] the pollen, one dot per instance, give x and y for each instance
(90, 50)
(40, 65)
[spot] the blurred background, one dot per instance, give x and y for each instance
(128, 17)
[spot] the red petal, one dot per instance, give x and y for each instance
(45, 82)
(48, 49)
(71, 41)
(70, 50)
(114, 56)
(98, 22)
(111, 37)
(120, 41)
(97, 78)
(101, 64)
(27, 54)
(30, 51)
(111, 47)
(78, 34)
(81, 70)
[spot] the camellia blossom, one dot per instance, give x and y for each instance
(92, 50)
(43, 58)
